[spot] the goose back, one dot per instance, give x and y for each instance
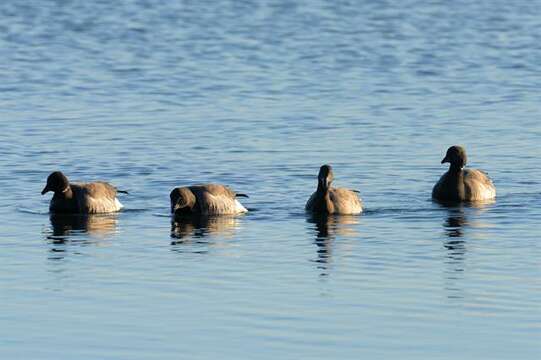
(337, 201)
(345, 201)
(478, 185)
(206, 199)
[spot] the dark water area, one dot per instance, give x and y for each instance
(150, 95)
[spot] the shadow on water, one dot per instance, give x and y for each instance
(78, 229)
(193, 233)
(327, 228)
(455, 224)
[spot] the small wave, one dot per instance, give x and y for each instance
(168, 215)
(32, 211)
(134, 210)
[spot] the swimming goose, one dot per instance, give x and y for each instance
(329, 200)
(85, 198)
(459, 184)
(206, 199)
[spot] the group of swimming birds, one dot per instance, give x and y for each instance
(456, 185)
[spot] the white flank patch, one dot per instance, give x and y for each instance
(488, 193)
(239, 208)
(118, 204)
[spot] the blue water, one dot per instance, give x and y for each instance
(150, 95)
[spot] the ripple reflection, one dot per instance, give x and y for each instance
(79, 229)
(457, 220)
(196, 231)
(327, 228)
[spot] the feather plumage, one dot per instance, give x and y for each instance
(82, 198)
(205, 199)
(460, 184)
(329, 200)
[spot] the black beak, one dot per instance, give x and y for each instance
(45, 190)
(445, 160)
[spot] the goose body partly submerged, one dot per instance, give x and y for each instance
(329, 200)
(459, 184)
(84, 198)
(205, 199)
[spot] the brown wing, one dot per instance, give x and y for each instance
(345, 201)
(100, 189)
(214, 189)
(214, 199)
(96, 197)
(478, 185)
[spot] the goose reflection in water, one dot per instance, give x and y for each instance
(327, 228)
(196, 230)
(456, 222)
(99, 225)
(79, 229)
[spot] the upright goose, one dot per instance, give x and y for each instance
(86, 198)
(206, 199)
(459, 184)
(329, 200)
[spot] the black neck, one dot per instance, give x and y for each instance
(322, 189)
(455, 181)
(67, 193)
(455, 168)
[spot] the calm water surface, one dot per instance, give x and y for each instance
(156, 94)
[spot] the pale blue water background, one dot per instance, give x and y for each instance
(154, 94)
